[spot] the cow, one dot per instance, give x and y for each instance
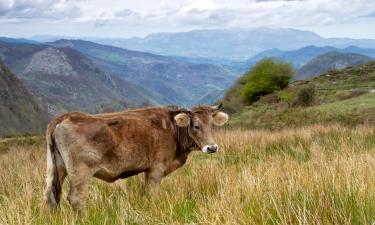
(154, 141)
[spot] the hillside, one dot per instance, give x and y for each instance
(167, 79)
(19, 112)
(64, 79)
(329, 61)
(342, 96)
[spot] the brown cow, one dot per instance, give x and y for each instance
(111, 146)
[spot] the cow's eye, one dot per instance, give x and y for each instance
(197, 127)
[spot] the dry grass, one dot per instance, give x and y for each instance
(315, 175)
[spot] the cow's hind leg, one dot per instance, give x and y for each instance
(79, 179)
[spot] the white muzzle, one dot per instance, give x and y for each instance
(210, 148)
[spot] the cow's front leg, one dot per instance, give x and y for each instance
(154, 176)
(173, 166)
(177, 163)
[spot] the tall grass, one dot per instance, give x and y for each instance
(314, 175)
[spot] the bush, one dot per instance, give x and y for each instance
(265, 77)
(305, 96)
(351, 93)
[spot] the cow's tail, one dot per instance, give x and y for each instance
(53, 184)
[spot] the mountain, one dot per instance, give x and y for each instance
(169, 80)
(301, 56)
(297, 57)
(19, 111)
(17, 40)
(64, 79)
(330, 61)
(234, 44)
(226, 43)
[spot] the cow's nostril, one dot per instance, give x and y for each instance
(212, 148)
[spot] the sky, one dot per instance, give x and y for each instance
(128, 18)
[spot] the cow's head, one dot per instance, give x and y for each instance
(200, 121)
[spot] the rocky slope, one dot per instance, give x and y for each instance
(19, 111)
(64, 79)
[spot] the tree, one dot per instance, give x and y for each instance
(265, 77)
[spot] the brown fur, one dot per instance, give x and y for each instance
(118, 145)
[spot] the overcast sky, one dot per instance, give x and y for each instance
(126, 18)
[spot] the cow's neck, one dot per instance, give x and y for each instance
(184, 142)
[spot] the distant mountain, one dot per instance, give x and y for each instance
(330, 61)
(17, 40)
(228, 44)
(169, 80)
(301, 56)
(19, 111)
(63, 79)
(297, 57)
(234, 44)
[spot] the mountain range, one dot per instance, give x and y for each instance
(168, 80)
(301, 56)
(68, 75)
(232, 44)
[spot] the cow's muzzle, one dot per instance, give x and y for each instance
(210, 148)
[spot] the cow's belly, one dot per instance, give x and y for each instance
(122, 163)
(109, 176)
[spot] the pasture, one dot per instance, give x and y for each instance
(312, 175)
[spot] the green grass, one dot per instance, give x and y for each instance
(362, 102)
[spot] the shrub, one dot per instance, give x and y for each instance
(351, 94)
(305, 96)
(286, 97)
(265, 77)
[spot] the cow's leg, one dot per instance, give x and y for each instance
(173, 166)
(154, 176)
(79, 179)
(177, 163)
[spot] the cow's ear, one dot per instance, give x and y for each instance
(220, 118)
(182, 119)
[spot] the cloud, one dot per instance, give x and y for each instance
(36, 9)
(124, 13)
(144, 16)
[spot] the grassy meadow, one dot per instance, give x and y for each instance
(312, 175)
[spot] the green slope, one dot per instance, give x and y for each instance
(342, 96)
